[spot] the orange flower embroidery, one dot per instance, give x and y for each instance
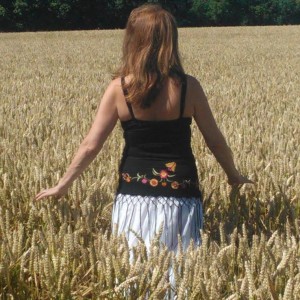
(153, 182)
(171, 166)
(162, 178)
(175, 185)
(163, 174)
(126, 177)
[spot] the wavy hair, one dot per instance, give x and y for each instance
(150, 53)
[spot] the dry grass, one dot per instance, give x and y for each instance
(50, 87)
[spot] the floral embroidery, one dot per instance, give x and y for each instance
(154, 182)
(126, 177)
(144, 180)
(163, 178)
(175, 185)
(163, 174)
(171, 166)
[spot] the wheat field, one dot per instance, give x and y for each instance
(50, 87)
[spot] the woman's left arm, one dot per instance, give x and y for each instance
(104, 122)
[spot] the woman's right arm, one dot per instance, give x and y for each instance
(212, 134)
(104, 122)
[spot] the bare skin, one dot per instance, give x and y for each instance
(166, 107)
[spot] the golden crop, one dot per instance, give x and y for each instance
(50, 87)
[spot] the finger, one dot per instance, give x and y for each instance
(236, 186)
(42, 192)
(41, 196)
(37, 196)
(57, 197)
(234, 192)
(39, 193)
(249, 181)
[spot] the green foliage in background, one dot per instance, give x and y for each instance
(22, 15)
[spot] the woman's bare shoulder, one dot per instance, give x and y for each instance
(192, 82)
(114, 87)
(115, 83)
(112, 92)
(195, 91)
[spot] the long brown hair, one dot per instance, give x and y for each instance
(150, 53)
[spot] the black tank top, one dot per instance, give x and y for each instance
(157, 158)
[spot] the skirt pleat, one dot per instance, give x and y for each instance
(145, 215)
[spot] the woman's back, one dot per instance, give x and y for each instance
(166, 105)
(157, 158)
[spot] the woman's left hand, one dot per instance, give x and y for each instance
(57, 192)
(239, 180)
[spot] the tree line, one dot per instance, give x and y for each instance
(33, 15)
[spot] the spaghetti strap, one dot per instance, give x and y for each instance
(125, 95)
(183, 92)
(182, 97)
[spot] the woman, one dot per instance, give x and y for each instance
(155, 102)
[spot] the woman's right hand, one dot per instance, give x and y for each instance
(57, 192)
(238, 179)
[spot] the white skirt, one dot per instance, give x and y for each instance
(145, 215)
